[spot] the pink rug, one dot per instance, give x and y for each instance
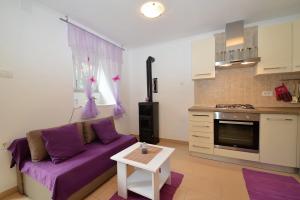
(266, 186)
(166, 193)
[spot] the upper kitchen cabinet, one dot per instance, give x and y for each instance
(275, 49)
(296, 46)
(203, 58)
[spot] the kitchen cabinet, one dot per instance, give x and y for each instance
(201, 137)
(278, 139)
(296, 45)
(298, 145)
(203, 58)
(275, 49)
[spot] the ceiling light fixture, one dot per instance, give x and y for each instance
(152, 9)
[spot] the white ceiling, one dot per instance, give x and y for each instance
(121, 20)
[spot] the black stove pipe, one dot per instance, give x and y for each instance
(149, 62)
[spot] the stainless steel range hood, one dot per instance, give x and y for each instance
(237, 50)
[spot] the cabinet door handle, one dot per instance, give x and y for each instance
(270, 68)
(200, 147)
(198, 136)
(286, 119)
(201, 126)
(234, 122)
(202, 74)
(198, 115)
(297, 66)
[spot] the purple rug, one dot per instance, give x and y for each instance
(166, 193)
(266, 186)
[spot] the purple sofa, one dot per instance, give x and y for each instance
(73, 178)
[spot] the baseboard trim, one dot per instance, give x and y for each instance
(166, 140)
(134, 135)
(246, 163)
(8, 192)
(174, 141)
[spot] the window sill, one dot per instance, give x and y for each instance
(98, 105)
(105, 104)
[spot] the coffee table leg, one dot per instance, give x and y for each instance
(122, 180)
(166, 169)
(155, 185)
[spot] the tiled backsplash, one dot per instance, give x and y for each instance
(240, 85)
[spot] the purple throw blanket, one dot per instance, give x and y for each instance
(65, 178)
(20, 152)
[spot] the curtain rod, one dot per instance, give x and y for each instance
(68, 22)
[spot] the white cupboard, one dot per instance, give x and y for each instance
(201, 132)
(203, 58)
(296, 45)
(278, 139)
(298, 145)
(275, 49)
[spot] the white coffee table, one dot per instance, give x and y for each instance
(147, 179)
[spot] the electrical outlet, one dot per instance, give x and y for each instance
(6, 74)
(3, 146)
(267, 93)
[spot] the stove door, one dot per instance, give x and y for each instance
(236, 135)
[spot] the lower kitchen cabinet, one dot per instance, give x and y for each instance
(278, 139)
(200, 147)
(201, 137)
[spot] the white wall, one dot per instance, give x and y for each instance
(175, 86)
(33, 45)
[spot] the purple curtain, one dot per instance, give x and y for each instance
(92, 54)
(85, 54)
(90, 110)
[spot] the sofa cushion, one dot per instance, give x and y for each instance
(63, 142)
(105, 131)
(36, 144)
(89, 134)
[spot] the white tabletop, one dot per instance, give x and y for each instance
(153, 165)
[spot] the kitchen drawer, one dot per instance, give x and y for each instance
(201, 126)
(201, 116)
(201, 137)
(201, 147)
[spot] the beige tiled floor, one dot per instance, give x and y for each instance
(203, 179)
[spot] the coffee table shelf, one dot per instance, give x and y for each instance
(140, 182)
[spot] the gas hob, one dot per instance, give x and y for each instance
(235, 106)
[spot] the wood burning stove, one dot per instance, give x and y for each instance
(148, 111)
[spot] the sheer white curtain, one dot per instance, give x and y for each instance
(111, 63)
(95, 59)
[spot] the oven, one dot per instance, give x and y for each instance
(236, 131)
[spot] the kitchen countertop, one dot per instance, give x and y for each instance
(263, 110)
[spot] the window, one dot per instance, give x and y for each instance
(101, 91)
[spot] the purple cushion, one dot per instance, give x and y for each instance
(105, 131)
(63, 142)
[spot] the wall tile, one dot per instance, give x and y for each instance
(240, 85)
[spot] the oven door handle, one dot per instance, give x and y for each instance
(235, 122)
